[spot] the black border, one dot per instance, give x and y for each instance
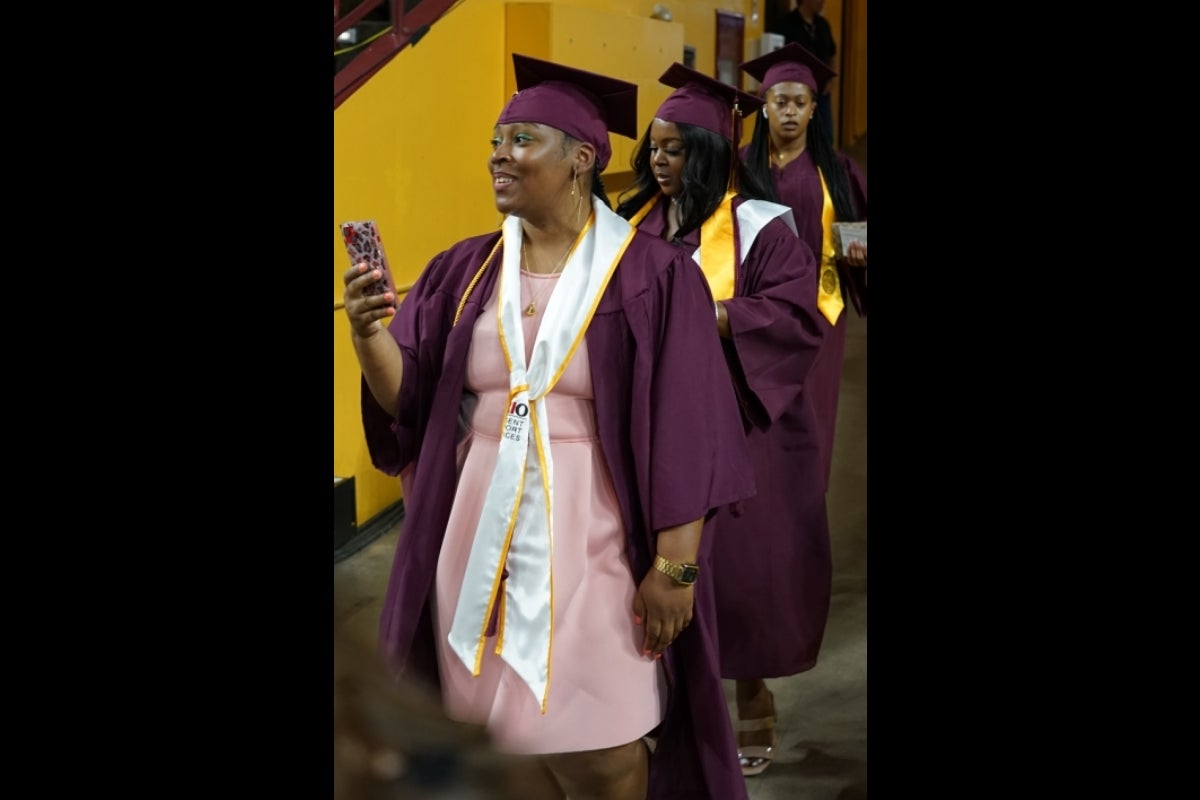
(975, 281)
(193, 359)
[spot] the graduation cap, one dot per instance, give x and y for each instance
(704, 102)
(791, 63)
(584, 104)
(709, 104)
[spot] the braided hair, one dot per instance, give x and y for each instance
(817, 142)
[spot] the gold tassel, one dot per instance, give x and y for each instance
(731, 186)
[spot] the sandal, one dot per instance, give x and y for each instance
(756, 758)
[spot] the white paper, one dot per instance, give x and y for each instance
(846, 232)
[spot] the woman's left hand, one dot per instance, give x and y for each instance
(856, 254)
(664, 607)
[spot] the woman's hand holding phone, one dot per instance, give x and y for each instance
(370, 292)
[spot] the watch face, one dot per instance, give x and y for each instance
(688, 574)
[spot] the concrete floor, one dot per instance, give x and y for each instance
(822, 714)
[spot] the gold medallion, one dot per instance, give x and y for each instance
(829, 281)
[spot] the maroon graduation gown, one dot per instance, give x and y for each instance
(798, 185)
(671, 438)
(772, 551)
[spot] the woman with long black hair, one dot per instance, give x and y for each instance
(771, 551)
(796, 162)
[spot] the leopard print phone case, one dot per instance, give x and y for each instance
(363, 244)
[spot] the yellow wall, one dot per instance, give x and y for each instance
(410, 151)
(854, 72)
(698, 18)
(633, 48)
(410, 145)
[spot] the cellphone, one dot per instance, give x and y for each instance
(363, 243)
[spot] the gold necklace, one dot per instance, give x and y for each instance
(531, 309)
(781, 154)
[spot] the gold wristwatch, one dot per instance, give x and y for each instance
(683, 574)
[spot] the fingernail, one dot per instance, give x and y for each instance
(657, 656)
(637, 620)
(646, 653)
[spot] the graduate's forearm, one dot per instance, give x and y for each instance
(682, 542)
(722, 320)
(382, 366)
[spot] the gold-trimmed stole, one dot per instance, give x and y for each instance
(718, 245)
(718, 249)
(829, 290)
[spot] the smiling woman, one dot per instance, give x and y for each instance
(555, 511)
(533, 173)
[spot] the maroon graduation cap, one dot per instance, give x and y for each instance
(584, 104)
(790, 63)
(704, 102)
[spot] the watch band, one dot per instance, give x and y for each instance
(684, 574)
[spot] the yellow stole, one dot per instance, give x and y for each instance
(718, 245)
(829, 292)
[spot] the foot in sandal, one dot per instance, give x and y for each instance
(755, 728)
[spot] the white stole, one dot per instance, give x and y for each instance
(520, 497)
(753, 216)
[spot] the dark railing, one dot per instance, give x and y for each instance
(380, 29)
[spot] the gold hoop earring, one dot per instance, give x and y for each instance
(578, 202)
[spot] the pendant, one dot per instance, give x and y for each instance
(530, 309)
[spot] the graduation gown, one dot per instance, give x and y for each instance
(798, 186)
(772, 551)
(669, 432)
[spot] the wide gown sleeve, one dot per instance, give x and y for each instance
(392, 442)
(775, 328)
(858, 185)
(856, 277)
(696, 457)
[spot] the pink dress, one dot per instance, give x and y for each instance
(603, 691)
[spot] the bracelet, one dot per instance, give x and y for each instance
(717, 310)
